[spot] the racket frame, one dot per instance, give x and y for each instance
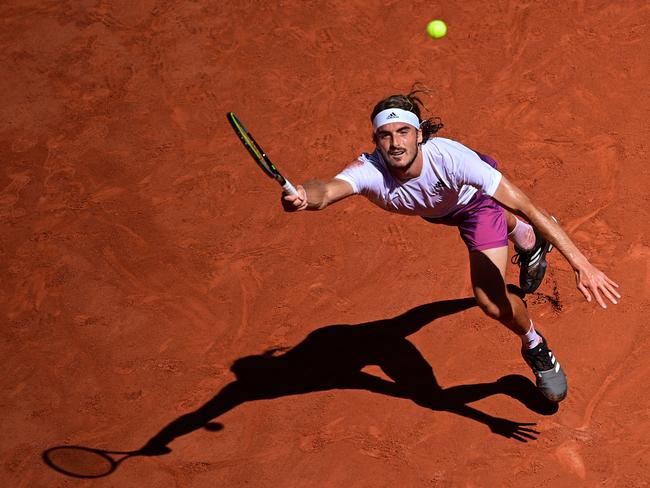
(258, 154)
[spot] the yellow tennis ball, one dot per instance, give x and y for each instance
(436, 28)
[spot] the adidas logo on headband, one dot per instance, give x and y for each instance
(395, 115)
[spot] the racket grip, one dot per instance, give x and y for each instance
(289, 188)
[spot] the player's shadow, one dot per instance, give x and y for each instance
(333, 358)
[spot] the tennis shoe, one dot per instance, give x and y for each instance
(532, 263)
(549, 375)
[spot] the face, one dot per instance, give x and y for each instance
(398, 143)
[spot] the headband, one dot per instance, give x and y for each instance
(391, 115)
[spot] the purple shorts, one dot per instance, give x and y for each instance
(482, 222)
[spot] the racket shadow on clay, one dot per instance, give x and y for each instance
(85, 462)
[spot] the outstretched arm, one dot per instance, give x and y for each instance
(589, 279)
(316, 195)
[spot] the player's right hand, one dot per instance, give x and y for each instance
(293, 203)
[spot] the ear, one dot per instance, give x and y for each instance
(419, 136)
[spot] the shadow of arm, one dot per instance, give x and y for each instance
(416, 318)
(228, 398)
(519, 431)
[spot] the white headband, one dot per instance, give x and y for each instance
(391, 115)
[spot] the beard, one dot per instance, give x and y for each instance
(400, 159)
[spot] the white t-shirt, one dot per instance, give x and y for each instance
(451, 175)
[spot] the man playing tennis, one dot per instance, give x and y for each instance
(412, 172)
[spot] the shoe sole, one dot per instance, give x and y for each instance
(537, 281)
(554, 387)
(542, 266)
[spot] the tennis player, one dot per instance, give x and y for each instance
(414, 172)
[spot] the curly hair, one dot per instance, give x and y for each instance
(412, 103)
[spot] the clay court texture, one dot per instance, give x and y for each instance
(150, 277)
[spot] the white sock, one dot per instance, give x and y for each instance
(522, 235)
(531, 338)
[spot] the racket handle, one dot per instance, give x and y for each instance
(289, 188)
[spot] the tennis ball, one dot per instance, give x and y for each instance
(436, 29)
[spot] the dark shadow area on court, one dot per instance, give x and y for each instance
(332, 358)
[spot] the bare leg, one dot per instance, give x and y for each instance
(492, 295)
(488, 270)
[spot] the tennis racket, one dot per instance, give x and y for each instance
(85, 462)
(258, 154)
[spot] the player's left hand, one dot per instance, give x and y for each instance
(594, 283)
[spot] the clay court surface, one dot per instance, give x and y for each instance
(151, 280)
